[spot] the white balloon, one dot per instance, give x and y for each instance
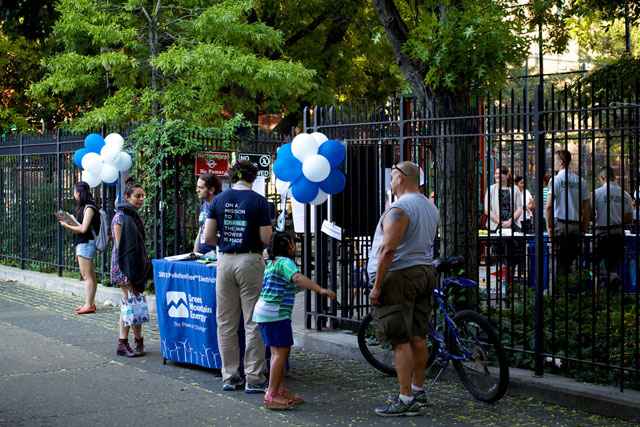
(92, 162)
(109, 173)
(316, 168)
(319, 137)
(114, 140)
(320, 198)
(90, 178)
(123, 162)
(281, 185)
(303, 146)
(109, 153)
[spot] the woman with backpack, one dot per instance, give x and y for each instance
(130, 266)
(88, 216)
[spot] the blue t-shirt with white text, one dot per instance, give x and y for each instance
(240, 214)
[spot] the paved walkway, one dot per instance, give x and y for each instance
(59, 368)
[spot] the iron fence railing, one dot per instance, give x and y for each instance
(37, 175)
(578, 325)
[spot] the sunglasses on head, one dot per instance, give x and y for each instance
(398, 169)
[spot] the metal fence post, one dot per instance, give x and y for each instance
(538, 130)
(23, 231)
(58, 206)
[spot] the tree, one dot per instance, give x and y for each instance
(187, 60)
(341, 41)
(610, 11)
(444, 49)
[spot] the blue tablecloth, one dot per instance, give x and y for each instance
(186, 307)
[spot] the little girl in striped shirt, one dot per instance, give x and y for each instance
(273, 315)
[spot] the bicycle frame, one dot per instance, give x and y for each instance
(442, 296)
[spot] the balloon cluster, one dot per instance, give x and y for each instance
(309, 163)
(102, 159)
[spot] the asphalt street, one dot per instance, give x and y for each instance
(60, 368)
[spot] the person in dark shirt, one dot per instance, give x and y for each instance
(208, 187)
(241, 218)
(84, 241)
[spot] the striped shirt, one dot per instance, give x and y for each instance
(278, 291)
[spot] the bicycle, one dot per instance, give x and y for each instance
(464, 338)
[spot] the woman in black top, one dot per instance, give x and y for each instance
(83, 239)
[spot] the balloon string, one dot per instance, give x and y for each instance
(280, 223)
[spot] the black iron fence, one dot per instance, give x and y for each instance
(584, 322)
(37, 175)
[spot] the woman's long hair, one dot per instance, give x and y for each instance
(84, 198)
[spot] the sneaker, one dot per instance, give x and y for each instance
(418, 396)
(398, 409)
(256, 388)
(232, 383)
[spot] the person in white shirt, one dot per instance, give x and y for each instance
(527, 205)
(568, 211)
(612, 208)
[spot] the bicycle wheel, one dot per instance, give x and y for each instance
(382, 357)
(379, 356)
(484, 372)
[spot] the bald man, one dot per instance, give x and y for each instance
(400, 266)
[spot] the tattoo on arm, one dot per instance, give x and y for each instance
(395, 215)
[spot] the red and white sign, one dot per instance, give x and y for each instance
(215, 162)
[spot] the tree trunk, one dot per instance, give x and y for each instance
(457, 174)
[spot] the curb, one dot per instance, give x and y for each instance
(66, 285)
(602, 400)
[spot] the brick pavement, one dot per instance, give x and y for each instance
(338, 391)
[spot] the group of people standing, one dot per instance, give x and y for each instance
(568, 208)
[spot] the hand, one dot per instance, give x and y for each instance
(373, 297)
(63, 224)
(328, 293)
(506, 224)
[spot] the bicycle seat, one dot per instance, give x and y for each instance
(447, 265)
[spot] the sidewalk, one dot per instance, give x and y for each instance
(42, 341)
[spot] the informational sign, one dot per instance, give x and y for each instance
(215, 162)
(261, 161)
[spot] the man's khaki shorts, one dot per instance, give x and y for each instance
(406, 304)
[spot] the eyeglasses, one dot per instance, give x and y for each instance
(399, 170)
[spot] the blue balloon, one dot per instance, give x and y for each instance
(303, 190)
(94, 143)
(110, 184)
(287, 168)
(334, 183)
(78, 155)
(285, 150)
(333, 151)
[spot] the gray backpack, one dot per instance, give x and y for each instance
(102, 238)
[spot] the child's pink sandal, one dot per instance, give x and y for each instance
(270, 404)
(296, 399)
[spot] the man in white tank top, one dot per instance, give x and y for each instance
(400, 266)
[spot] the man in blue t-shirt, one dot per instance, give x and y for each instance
(207, 188)
(242, 220)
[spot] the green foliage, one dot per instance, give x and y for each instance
(168, 59)
(601, 327)
(471, 48)
(166, 154)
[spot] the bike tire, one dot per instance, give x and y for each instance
(486, 373)
(382, 357)
(379, 356)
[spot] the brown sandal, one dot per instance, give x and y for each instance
(270, 404)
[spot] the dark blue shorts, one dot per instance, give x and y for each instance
(277, 334)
